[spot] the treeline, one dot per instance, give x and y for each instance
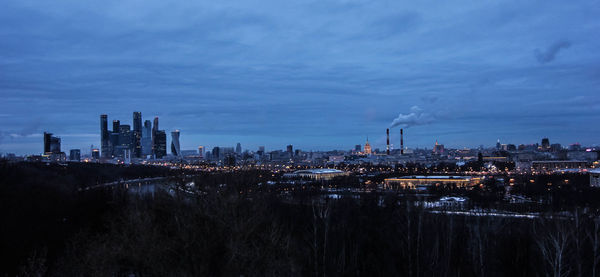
(50, 231)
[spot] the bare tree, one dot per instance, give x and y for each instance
(553, 241)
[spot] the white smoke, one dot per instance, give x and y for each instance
(416, 117)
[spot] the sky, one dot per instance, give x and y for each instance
(316, 74)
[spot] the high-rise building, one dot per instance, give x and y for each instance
(261, 150)
(357, 148)
(137, 134)
(216, 152)
(160, 144)
(545, 144)
(95, 154)
(116, 124)
(104, 136)
(147, 138)
(238, 149)
(201, 151)
(367, 147)
(154, 130)
(175, 147)
(438, 148)
(51, 144)
(75, 155)
(47, 142)
(290, 150)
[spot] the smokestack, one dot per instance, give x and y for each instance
(401, 142)
(387, 131)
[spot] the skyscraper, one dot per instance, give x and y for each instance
(216, 152)
(290, 150)
(154, 130)
(238, 149)
(47, 142)
(75, 155)
(51, 144)
(367, 147)
(175, 147)
(104, 136)
(116, 124)
(545, 144)
(201, 151)
(137, 134)
(147, 138)
(160, 143)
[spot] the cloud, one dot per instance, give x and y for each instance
(550, 53)
(414, 118)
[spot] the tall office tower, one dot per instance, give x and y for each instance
(113, 143)
(116, 124)
(498, 145)
(216, 152)
(147, 138)
(104, 136)
(154, 130)
(175, 147)
(51, 144)
(137, 134)
(47, 142)
(201, 151)
(545, 144)
(357, 148)
(75, 155)
(160, 144)
(290, 150)
(238, 149)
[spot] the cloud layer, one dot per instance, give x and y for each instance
(316, 74)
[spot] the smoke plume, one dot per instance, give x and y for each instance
(414, 118)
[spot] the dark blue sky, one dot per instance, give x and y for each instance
(316, 74)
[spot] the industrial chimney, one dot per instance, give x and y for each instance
(401, 142)
(387, 131)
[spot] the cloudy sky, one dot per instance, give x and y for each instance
(316, 74)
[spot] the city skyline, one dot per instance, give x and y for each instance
(380, 142)
(461, 73)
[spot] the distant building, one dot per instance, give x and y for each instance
(175, 146)
(51, 144)
(160, 144)
(104, 136)
(290, 150)
(555, 165)
(75, 155)
(201, 151)
(116, 126)
(318, 174)
(137, 134)
(545, 144)
(413, 182)
(147, 138)
(439, 148)
(367, 147)
(154, 130)
(238, 149)
(216, 152)
(357, 148)
(95, 154)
